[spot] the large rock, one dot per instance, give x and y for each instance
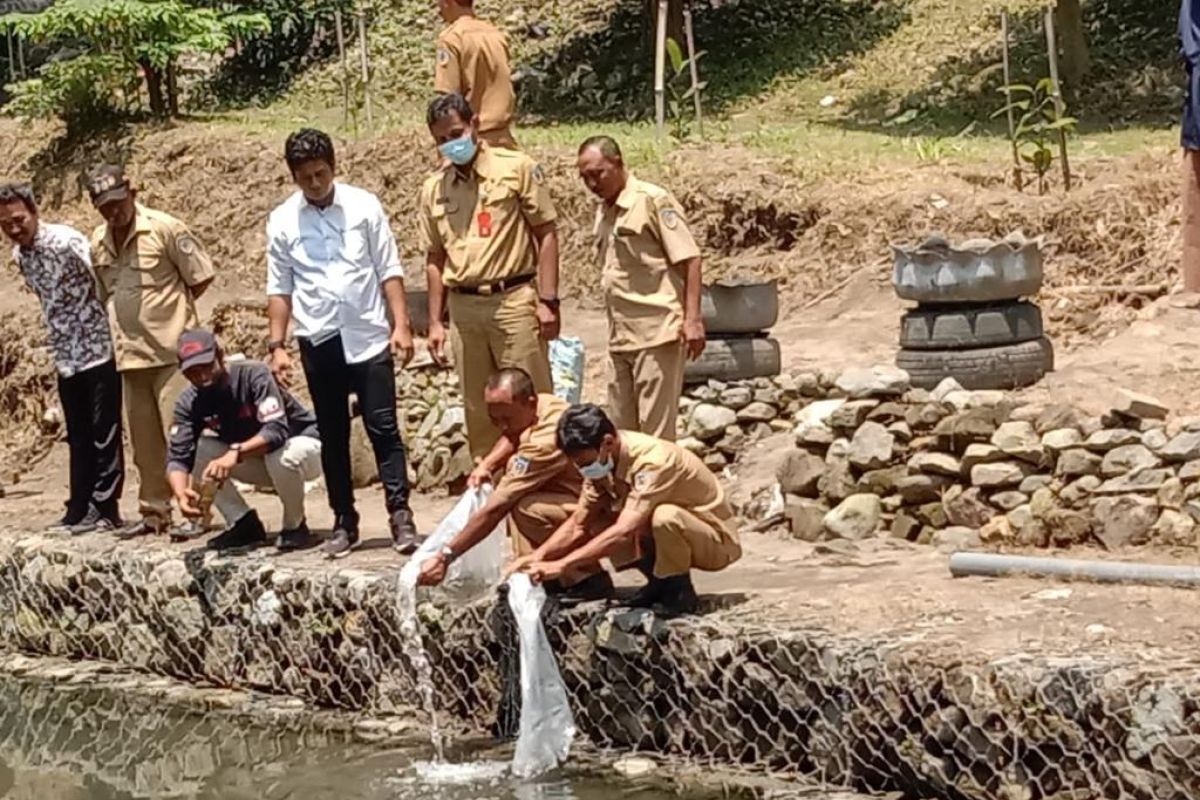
(1062, 439)
(966, 508)
(1068, 528)
(852, 414)
(1175, 528)
(757, 412)
(872, 447)
(1007, 501)
(877, 381)
(931, 515)
(1034, 482)
(905, 526)
(1190, 472)
(980, 453)
(882, 481)
(1076, 463)
(1141, 406)
(1027, 530)
(888, 413)
(737, 397)
(1103, 441)
(926, 416)
(855, 518)
(957, 431)
(1079, 492)
(920, 489)
(1019, 440)
(942, 464)
(838, 482)
(1148, 481)
(806, 518)
(799, 473)
(1000, 475)
(1126, 459)
(1124, 521)
(1155, 439)
(364, 470)
(1057, 416)
(1184, 447)
(708, 422)
(947, 387)
(956, 539)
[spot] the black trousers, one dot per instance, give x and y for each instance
(91, 403)
(331, 381)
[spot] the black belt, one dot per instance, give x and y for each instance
(497, 287)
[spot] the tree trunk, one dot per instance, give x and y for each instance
(154, 88)
(1076, 61)
(172, 89)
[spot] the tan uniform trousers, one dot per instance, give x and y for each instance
(644, 393)
(491, 333)
(150, 395)
(682, 542)
(500, 137)
(1191, 221)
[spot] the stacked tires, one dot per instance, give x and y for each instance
(737, 318)
(970, 323)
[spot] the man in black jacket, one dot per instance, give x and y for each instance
(235, 422)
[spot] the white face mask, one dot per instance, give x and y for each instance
(597, 470)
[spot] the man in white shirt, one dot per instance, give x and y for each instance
(55, 261)
(333, 269)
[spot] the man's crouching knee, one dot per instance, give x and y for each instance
(683, 542)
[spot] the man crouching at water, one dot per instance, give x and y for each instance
(673, 513)
(539, 489)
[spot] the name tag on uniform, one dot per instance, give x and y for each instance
(485, 224)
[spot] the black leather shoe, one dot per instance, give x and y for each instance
(298, 538)
(245, 533)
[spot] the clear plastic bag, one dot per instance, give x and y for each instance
(566, 368)
(547, 726)
(480, 567)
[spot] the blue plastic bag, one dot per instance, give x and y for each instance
(566, 368)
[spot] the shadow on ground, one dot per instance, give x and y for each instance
(1135, 77)
(606, 72)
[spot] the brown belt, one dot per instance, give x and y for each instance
(497, 287)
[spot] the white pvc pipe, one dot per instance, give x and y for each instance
(998, 565)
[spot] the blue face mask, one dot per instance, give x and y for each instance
(460, 151)
(597, 470)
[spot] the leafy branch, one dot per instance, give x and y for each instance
(1038, 123)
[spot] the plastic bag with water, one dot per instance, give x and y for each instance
(547, 726)
(566, 368)
(476, 570)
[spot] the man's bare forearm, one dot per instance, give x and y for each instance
(279, 316)
(693, 285)
(547, 251)
(397, 302)
(434, 264)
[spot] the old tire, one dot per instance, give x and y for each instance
(975, 272)
(735, 359)
(1008, 367)
(730, 308)
(967, 328)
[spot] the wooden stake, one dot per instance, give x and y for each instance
(21, 56)
(1060, 107)
(366, 68)
(660, 66)
(341, 44)
(12, 59)
(695, 69)
(1018, 178)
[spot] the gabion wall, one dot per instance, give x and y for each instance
(903, 715)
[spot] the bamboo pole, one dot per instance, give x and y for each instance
(12, 59)
(693, 66)
(660, 66)
(1059, 105)
(21, 57)
(1018, 178)
(341, 45)
(366, 69)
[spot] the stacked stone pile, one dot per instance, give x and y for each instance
(959, 469)
(435, 427)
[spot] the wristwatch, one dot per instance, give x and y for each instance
(551, 303)
(237, 448)
(448, 555)
(275, 344)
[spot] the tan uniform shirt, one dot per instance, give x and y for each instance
(484, 221)
(472, 60)
(538, 464)
(652, 472)
(639, 241)
(146, 284)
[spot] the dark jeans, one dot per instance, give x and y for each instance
(331, 381)
(91, 403)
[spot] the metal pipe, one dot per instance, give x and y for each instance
(997, 565)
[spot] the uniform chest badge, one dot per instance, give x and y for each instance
(518, 466)
(642, 480)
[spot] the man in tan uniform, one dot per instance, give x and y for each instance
(472, 60)
(488, 228)
(651, 275)
(539, 490)
(672, 515)
(150, 270)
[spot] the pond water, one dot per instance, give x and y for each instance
(67, 743)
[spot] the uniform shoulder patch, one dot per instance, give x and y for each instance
(644, 479)
(670, 218)
(186, 244)
(518, 466)
(539, 174)
(269, 410)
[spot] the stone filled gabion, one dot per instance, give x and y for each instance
(957, 468)
(435, 427)
(915, 716)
